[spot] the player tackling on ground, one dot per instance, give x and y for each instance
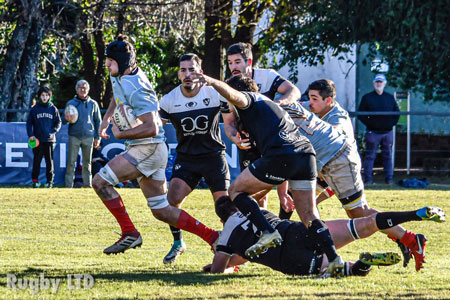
(299, 255)
(145, 157)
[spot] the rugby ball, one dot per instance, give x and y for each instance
(124, 117)
(73, 111)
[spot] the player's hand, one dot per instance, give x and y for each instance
(102, 130)
(241, 143)
(200, 79)
(116, 131)
(96, 143)
(286, 202)
(207, 268)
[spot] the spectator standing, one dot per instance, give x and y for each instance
(83, 132)
(42, 124)
(378, 128)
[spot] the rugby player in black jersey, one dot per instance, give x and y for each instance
(299, 254)
(271, 84)
(194, 111)
(286, 155)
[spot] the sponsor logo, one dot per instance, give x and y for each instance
(177, 167)
(199, 123)
(274, 177)
(191, 104)
(177, 105)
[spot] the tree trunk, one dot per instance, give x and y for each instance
(215, 28)
(29, 65)
(12, 59)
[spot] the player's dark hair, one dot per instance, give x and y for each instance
(325, 87)
(44, 89)
(225, 208)
(242, 83)
(190, 57)
(244, 49)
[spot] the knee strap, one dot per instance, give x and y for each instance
(158, 202)
(108, 174)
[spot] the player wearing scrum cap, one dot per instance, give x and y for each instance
(194, 112)
(145, 157)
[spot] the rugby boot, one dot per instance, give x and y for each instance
(177, 249)
(127, 240)
(266, 240)
(380, 259)
(431, 213)
(335, 268)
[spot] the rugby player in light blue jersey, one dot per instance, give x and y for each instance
(343, 173)
(145, 157)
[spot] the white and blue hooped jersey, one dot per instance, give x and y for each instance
(136, 91)
(196, 120)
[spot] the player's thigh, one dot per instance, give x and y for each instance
(178, 191)
(246, 182)
(216, 172)
(340, 232)
(119, 169)
(343, 173)
(151, 187)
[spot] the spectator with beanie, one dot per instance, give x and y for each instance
(42, 125)
(83, 132)
(379, 128)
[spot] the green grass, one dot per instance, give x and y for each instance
(63, 231)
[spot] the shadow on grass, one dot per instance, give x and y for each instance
(169, 277)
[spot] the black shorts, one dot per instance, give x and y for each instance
(277, 169)
(213, 167)
(246, 157)
(299, 255)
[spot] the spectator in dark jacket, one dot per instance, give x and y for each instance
(379, 128)
(83, 132)
(42, 124)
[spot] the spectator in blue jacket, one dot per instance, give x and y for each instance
(42, 124)
(83, 132)
(379, 128)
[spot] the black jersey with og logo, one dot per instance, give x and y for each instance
(271, 128)
(196, 120)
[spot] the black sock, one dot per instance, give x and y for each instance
(283, 215)
(248, 206)
(177, 235)
(319, 231)
(360, 269)
(387, 220)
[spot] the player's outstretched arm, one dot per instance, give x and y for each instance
(234, 97)
(290, 93)
(229, 125)
(148, 128)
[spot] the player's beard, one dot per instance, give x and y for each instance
(190, 87)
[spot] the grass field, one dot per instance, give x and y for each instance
(59, 232)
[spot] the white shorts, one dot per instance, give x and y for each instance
(343, 175)
(149, 159)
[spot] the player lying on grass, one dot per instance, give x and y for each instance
(299, 255)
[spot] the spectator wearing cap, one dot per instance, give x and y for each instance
(378, 128)
(83, 133)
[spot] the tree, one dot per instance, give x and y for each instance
(411, 36)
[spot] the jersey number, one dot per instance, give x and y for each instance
(246, 226)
